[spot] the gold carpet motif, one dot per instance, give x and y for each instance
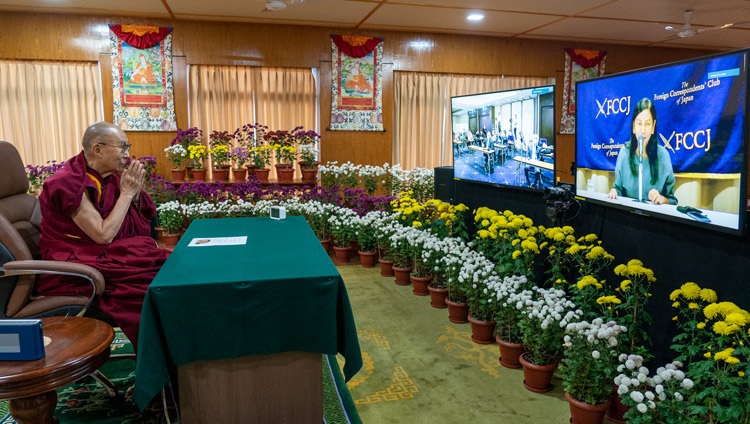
(402, 388)
(460, 344)
(376, 337)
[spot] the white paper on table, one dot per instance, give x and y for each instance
(217, 241)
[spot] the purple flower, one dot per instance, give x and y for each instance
(187, 137)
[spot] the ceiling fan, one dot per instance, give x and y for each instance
(688, 31)
(274, 5)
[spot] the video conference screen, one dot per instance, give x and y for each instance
(667, 141)
(505, 138)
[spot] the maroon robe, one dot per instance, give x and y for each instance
(128, 264)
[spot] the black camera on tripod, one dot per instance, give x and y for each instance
(559, 199)
(563, 192)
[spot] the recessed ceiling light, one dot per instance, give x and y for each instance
(475, 17)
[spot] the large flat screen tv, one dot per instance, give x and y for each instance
(505, 138)
(668, 141)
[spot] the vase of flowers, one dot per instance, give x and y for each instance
(192, 136)
(543, 312)
(589, 366)
(368, 254)
(250, 136)
(308, 163)
(176, 154)
(451, 264)
(307, 142)
(171, 220)
(507, 314)
(197, 153)
(220, 143)
(285, 156)
(481, 312)
(385, 227)
(343, 225)
(401, 251)
(261, 157)
(239, 155)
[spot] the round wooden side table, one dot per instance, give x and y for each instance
(78, 346)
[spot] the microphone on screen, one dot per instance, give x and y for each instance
(640, 148)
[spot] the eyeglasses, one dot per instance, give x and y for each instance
(124, 146)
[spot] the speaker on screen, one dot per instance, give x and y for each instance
(444, 184)
(668, 141)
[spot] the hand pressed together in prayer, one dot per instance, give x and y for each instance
(131, 180)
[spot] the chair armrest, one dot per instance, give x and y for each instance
(56, 267)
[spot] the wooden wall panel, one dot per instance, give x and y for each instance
(69, 37)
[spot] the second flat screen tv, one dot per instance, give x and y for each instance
(505, 138)
(668, 141)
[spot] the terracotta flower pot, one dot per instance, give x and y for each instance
(262, 174)
(342, 253)
(510, 353)
(402, 276)
(420, 284)
(438, 296)
(617, 409)
(367, 259)
(586, 413)
(458, 312)
(309, 176)
(199, 174)
(221, 175)
(170, 240)
(482, 332)
(239, 175)
(386, 267)
(178, 175)
(284, 173)
(326, 245)
(537, 378)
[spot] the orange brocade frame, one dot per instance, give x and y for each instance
(579, 65)
(356, 83)
(143, 93)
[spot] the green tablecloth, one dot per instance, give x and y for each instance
(279, 292)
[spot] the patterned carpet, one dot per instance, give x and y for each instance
(421, 368)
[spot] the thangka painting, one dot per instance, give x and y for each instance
(143, 93)
(357, 83)
(579, 65)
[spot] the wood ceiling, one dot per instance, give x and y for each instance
(632, 22)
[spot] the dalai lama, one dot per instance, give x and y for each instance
(95, 212)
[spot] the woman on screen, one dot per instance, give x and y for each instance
(643, 148)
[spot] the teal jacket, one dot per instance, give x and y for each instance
(626, 182)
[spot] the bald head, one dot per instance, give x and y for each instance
(99, 132)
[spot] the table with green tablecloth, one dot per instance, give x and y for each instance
(279, 292)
